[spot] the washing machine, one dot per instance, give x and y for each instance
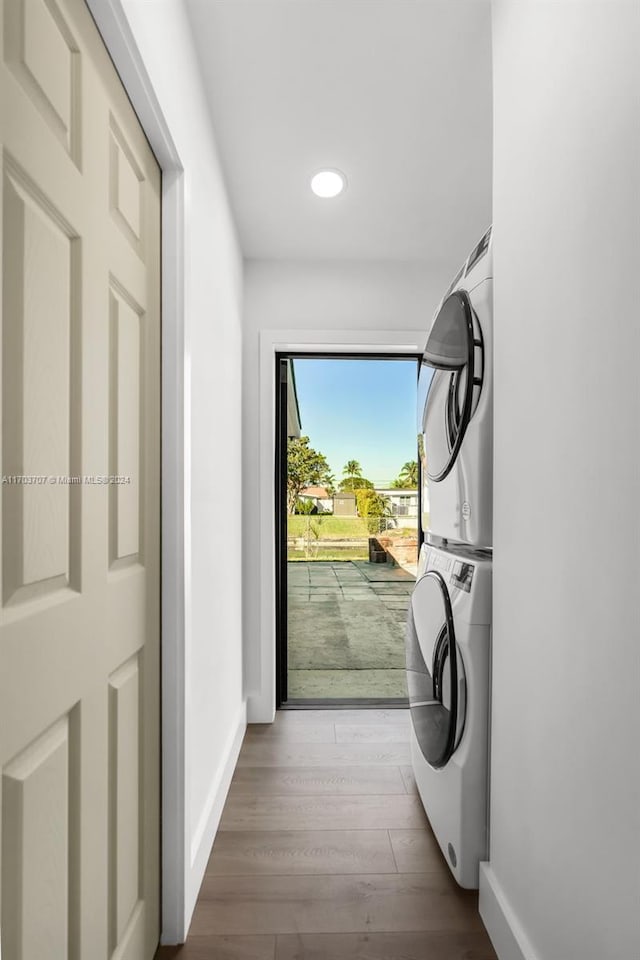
(455, 407)
(448, 676)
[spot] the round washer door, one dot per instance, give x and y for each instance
(455, 350)
(435, 671)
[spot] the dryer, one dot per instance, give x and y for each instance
(455, 407)
(448, 661)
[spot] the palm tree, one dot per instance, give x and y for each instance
(352, 469)
(353, 479)
(408, 475)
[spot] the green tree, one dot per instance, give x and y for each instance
(351, 484)
(306, 467)
(304, 506)
(353, 479)
(408, 477)
(352, 469)
(372, 506)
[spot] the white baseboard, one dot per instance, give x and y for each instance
(508, 938)
(207, 827)
(260, 709)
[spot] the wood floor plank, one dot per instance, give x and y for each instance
(316, 780)
(416, 851)
(344, 715)
(385, 946)
(408, 778)
(334, 904)
(290, 733)
(221, 948)
(323, 754)
(323, 812)
(372, 732)
(254, 853)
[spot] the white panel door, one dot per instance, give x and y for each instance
(79, 580)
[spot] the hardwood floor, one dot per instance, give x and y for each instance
(324, 852)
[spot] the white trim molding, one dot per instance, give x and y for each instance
(261, 705)
(207, 827)
(113, 25)
(507, 936)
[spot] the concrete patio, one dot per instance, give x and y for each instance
(346, 629)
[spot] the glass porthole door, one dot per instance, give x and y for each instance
(435, 671)
(455, 350)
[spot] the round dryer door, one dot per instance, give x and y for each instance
(435, 671)
(455, 349)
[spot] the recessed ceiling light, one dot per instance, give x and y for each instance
(328, 183)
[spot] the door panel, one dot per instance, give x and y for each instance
(37, 796)
(79, 639)
(124, 428)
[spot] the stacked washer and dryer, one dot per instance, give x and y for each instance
(449, 617)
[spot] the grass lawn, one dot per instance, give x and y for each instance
(340, 528)
(329, 528)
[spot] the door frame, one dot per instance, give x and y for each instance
(118, 38)
(281, 549)
(281, 567)
(261, 702)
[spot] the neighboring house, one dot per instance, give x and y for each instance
(403, 504)
(319, 497)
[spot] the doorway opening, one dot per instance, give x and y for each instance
(347, 489)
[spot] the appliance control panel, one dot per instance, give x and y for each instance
(441, 562)
(462, 575)
(468, 578)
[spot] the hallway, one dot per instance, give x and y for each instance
(324, 852)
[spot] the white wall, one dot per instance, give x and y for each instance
(309, 297)
(563, 879)
(204, 709)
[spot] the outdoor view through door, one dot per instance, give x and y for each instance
(347, 518)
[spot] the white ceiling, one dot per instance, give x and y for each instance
(395, 93)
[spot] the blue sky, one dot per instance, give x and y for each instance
(361, 410)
